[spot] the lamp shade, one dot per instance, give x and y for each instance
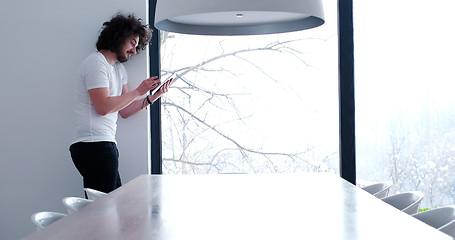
(237, 17)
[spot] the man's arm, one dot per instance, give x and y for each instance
(105, 104)
(133, 107)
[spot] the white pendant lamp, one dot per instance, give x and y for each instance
(237, 17)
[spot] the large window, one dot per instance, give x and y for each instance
(405, 101)
(252, 104)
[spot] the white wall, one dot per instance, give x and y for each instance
(43, 44)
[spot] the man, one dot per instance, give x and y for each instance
(101, 93)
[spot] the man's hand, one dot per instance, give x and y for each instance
(147, 85)
(163, 89)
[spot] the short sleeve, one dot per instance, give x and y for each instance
(96, 74)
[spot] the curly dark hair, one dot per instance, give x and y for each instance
(119, 28)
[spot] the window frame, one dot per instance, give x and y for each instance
(346, 94)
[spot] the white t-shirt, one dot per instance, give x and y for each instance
(96, 72)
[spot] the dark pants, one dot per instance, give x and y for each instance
(97, 162)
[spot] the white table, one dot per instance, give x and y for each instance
(208, 207)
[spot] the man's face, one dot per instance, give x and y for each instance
(128, 48)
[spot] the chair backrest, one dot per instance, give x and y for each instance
(93, 194)
(73, 204)
(437, 217)
(379, 190)
(407, 202)
(44, 219)
(448, 229)
(383, 193)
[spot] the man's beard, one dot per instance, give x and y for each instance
(122, 57)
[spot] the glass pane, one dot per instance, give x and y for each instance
(405, 105)
(252, 104)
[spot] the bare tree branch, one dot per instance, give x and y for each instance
(240, 147)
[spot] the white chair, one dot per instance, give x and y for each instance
(442, 218)
(407, 202)
(449, 229)
(379, 190)
(93, 194)
(73, 204)
(44, 219)
(437, 217)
